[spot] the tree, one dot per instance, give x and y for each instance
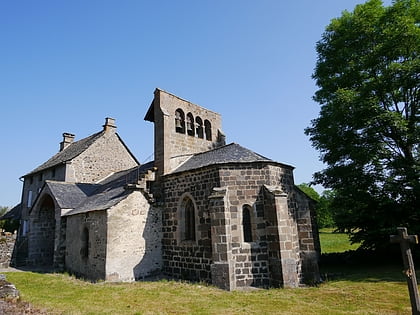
(325, 211)
(367, 132)
(308, 190)
(324, 214)
(3, 211)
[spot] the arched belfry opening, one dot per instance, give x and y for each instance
(42, 233)
(179, 121)
(190, 125)
(207, 130)
(199, 127)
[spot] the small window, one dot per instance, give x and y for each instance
(25, 227)
(53, 173)
(179, 121)
(246, 223)
(84, 250)
(190, 125)
(30, 196)
(187, 220)
(40, 177)
(207, 129)
(31, 180)
(199, 127)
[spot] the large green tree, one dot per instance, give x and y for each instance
(368, 74)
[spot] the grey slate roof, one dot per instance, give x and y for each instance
(13, 214)
(109, 192)
(231, 153)
(69, 153)
(70, 195)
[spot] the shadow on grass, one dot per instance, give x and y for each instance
(363, 266)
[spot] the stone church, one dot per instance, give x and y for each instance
(203, 210)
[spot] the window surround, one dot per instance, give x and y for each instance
(187, 237)
(248, 228)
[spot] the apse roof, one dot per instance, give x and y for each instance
(228, 154)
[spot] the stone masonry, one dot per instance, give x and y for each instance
(201, 211)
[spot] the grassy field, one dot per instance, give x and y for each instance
(334, 242)
(346, 290)
(363, 292)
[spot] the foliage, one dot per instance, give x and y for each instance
(8, 225)
(308, 190)
(3, 210)
(325, 211)
(368, 74)
(324, 214)
(361, 291)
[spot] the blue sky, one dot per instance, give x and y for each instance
(66, 65)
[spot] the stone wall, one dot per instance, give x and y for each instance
(32, 185)
(134, 249)
(188, 259)
(171, 146)
(245, 189)
(86, 241)
(105, 156)
(41, 239)
(7, 243)
(275, 254)
(250, 260)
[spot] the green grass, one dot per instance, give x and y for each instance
(335, 242)
(355, 292)
(346, 290)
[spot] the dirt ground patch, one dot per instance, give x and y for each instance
(10, 307)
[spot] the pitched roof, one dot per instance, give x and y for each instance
(70, 195)
(14, 214)
(69, 153)
(231, 153)
(108, 192)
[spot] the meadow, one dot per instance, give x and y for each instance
(346, 289)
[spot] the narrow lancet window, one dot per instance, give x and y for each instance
(84, 250)
(246, 223)
(189, 221)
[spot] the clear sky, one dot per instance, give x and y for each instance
(66, 65)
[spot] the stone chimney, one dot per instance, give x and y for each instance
(109, 124)
(67, 140)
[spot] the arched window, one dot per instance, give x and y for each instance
(199, 127)
(179, 121)
(84, 250)
(187, 221)
(207, 129)
(246, 223)
(190, 124)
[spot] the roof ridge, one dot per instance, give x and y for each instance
(60, 157)
(215, 149)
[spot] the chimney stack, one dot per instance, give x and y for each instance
(67, 140)
(109, 124)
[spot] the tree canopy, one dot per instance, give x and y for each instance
(367, 132)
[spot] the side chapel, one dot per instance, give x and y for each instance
(203, 210)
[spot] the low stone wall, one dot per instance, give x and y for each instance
(7, 243)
